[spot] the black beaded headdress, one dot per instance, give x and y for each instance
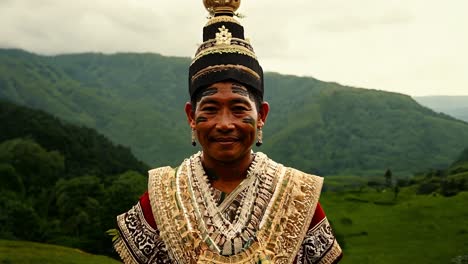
(225, 54)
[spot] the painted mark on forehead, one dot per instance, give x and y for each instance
(209, 91)
(249, 120)
(239, 89)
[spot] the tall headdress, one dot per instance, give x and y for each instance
(225, 54)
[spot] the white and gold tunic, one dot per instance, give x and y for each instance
(273, 216)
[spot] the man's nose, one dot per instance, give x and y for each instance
(225, 121)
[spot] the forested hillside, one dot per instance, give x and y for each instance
(339, 129)
(61, 183)
(133, 99)
(83, 149)
(137, 100)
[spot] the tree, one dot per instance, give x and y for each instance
(18, 219)
(396, 191)
(78, 203)
(388, 177)
(10, 180)
(31, 171)
(38, 169)
(124, 192)
(80, 212)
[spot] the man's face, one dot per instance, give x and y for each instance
(225, 121)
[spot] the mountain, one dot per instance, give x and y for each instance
(351, 130)
(137, 100)
(456, 106)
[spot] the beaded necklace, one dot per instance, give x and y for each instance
(228, 236)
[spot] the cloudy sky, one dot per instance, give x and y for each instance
(415, 47)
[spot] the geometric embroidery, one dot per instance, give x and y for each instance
(144, 241)
(316, 243)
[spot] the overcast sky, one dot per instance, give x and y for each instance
(415, 47)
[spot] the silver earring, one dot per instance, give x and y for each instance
(194, 143)
(259, 137)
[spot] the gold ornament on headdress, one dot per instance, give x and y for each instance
(221, 6)
(223, 37)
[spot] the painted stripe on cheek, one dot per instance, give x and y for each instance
(249, 120)
(200, 119)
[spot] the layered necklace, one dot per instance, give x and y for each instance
(271, 210)
(230, 235)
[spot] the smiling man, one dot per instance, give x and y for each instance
(225, 118)
(226, 203)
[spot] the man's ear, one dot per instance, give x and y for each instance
(262, 115)
(190, 112)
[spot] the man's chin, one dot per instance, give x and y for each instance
(225, 156)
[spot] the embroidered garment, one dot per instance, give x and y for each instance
(273, 216)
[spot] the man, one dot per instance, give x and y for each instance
(227, 204)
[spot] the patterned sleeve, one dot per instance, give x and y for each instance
(319, 245)
(139, 241)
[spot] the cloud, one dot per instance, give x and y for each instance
(349, 23)
(367, 43)
(102, 25)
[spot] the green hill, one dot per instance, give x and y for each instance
(423, 219)
(447, 181)
(61, 183)
(133, 99)
(462, 160)
(137, 100)
(84, 150)
(22, 252)
(352, 131)
(376, 229)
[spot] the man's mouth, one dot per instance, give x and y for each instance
(225, 139)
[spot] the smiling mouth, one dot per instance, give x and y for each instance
(225, 139)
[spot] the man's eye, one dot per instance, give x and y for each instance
(240, 108)
(209, 109)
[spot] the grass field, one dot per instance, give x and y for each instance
(375, 228)
(21, 252)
